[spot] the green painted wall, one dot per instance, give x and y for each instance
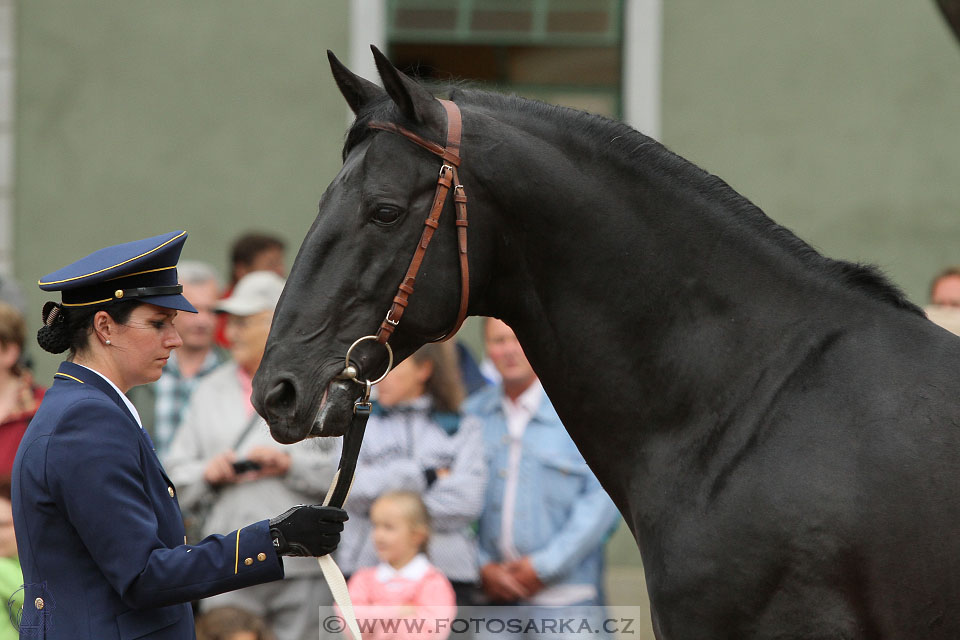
(138, 117)
(840, 118)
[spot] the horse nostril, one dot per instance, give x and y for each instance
(281, 399)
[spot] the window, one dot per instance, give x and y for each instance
(561, 51)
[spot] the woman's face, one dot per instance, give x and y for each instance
(248, 338)
(141, 346)
(404, 383)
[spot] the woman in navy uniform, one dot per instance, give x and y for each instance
(98, 526)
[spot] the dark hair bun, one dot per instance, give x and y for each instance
(54, 338)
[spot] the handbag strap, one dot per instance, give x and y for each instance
(254, 419)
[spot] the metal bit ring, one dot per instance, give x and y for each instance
(349, 371)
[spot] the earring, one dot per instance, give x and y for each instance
(107, 341)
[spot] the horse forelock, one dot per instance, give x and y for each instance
(635, 152)
(382, 110)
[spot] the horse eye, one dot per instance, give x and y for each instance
(386, 214)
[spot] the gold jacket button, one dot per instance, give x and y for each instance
(248, 561)
(38, 603)
(170, 491)
(261, 557)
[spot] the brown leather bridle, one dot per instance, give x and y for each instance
(448, 177)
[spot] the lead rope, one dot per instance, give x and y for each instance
(343, 479)
(337, 497)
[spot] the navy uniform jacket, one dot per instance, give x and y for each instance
(99, 529)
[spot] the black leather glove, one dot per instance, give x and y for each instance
(307, 530)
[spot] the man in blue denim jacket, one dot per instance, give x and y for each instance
(546, 517)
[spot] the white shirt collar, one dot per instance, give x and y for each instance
(123, 396)
(531, 398)
(413, 570)
(519, 412)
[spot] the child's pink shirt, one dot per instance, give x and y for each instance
(418, 591)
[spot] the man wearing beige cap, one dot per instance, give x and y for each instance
(227, 466)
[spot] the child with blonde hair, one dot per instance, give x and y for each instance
(405, 584)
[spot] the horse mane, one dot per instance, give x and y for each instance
(631, 149)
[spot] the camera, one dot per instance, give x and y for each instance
(242, 466)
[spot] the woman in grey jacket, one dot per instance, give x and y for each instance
(417, 440)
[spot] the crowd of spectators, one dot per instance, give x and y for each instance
(455, 502)
(468, 489)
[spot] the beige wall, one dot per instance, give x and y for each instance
(137, 117)
(840, 118)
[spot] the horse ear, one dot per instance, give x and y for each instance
(357, 91)
(415, 102)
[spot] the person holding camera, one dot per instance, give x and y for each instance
(230, 470)
(99, 530)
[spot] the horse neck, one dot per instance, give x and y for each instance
(638, 299)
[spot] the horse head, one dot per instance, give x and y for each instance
(354, 257)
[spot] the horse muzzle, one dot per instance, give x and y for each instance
(292, 418)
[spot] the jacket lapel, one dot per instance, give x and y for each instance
(88, 377)
(75, 372)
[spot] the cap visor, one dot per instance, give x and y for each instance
(175, 301)
(237, 307)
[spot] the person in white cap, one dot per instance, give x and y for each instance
(228, 467)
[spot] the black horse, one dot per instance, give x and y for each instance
(780, 430)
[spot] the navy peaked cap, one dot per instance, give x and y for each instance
(144, 270)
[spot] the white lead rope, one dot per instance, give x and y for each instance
(348, 460)
(334, 576)
(338, 587)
